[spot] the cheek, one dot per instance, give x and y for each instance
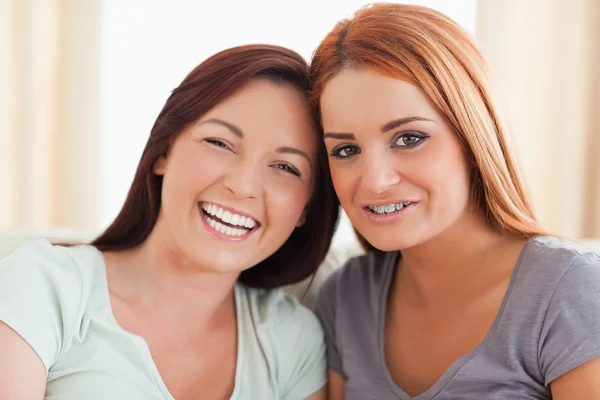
(285, 201)
(344, 181)
(449, 179)
(185, 178)
(199, 170)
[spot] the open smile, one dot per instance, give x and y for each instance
(389, 212)
(226, 223)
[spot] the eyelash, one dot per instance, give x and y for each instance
(421, 137)
(219, 143)
(289, 169)
(282, 166)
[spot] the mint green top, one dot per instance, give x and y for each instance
(57, 299)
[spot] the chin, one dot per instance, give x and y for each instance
(392, 243)
(220, 261)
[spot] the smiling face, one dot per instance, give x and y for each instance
(398, 168)
(237, 181)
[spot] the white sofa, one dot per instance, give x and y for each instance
(10, 239)
(340, 251)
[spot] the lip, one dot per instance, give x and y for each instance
(384, 218)
(230, 209)
(385, 203)
(223, 236)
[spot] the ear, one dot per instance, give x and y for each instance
(302, 219)
(160, 165)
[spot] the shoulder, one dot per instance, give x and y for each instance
(568, 276)
(275, 309)
(367, 269)
(551, 250)
(42, 260)
(42, 293)
(362, 276)
(549, 273)
(291, 341)
(549, 259)
(574, 267)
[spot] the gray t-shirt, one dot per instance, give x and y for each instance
(548, 324)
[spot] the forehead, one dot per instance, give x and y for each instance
(263, 105)
(366, 97)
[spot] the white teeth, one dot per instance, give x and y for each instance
(244, 224)
(235, 232)
(227, 230)
(230, 218)
(389, 208)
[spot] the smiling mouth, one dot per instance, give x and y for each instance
(226, 222)
(388, 208)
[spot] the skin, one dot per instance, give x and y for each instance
(389, 144)
(255, 153)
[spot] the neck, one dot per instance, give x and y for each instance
(157, 276)
(454, 266)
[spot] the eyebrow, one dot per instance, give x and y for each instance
(402, 121)
(337, 135)
(234, 129)
(387, 127)
(237, 131)
(292, 150)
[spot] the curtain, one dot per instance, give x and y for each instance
(545, 60)
(49, 114)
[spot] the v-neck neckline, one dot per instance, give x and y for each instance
(433, 391)
(145, 349)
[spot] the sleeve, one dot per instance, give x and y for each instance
(571, 331)
(301, 343)
(40, 293)
(326, 312)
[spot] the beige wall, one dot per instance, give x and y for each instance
(545, 58)
(49, 64)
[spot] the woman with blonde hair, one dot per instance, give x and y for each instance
(462, 294)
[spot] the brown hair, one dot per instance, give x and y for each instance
(207, 85)
(426, 48)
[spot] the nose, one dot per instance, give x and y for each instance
(378, 172)
(244, 180)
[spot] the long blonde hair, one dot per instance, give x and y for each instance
(428, 49)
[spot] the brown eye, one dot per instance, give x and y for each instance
(345, 151)
(289, 169)
(218, 143)
(410, 140)
(349, 151)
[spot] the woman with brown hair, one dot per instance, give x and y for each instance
(461, 295)
(232, 198)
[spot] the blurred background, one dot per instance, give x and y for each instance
(81, 82)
